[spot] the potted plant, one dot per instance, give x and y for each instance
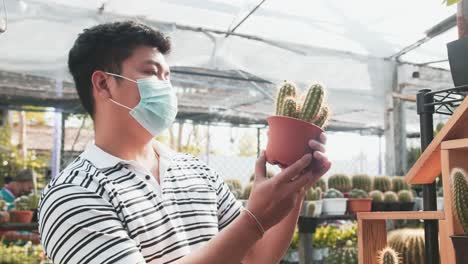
(359, 201)
(399, 183)
(377, 201)
(405, 198)
(22, 212)
(313, 202)
(346, 254)
(321, 184)
(391, 201)
(382, 183)
(334, 202)
(362, 181)
(4, 215)
(340, 182)
(295, 123)
(459, 185)
(323, 238)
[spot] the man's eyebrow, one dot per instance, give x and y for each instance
(152, 62)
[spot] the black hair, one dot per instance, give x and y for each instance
(104, 47)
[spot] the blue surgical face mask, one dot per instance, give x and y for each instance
(157, 108)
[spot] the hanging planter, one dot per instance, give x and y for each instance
(296, 122)
(458, 58)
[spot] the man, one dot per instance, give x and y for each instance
(21, 184)
(129, 199)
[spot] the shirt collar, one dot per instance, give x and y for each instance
(102, 159)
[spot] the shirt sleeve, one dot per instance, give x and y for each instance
(78, 226)
(228, 206)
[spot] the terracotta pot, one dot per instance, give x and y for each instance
(4, 217)
(288, 139)
(356, 205)
(21, 216)
(460, 244)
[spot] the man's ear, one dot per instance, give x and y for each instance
(99, 82)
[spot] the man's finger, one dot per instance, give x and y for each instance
(260, 167)
(295, 169)
(316, 146)
(323, 138)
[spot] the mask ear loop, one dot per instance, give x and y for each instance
(128, 79)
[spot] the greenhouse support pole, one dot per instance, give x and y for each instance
(57, 144)
(431, 228)
(258, 142)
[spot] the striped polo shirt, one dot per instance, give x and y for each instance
(102, 209)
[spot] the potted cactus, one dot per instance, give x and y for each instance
(340, 182)
(23, 212)
(362, 181)
(405, 197)
(459, 185)
(321, 184)
(377, 201)
(388, 256)
(382, 183)
(295, 123)
(334, 202)
(359, 201)
(399, 183)
(344, 255)
(313, 199)
(409, 243)
(391, 201)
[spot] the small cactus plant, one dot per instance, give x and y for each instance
(405, 196)
(409, 243)
(390, 197)
(312, 109)
(340, 182)
(310, 209)
(332, 193)
(362, 181)
(382, 183)
(313, 194)
(376, 195)
(459, 185)
(358, 193)
(399, 183)
(388, 256)
(321, 184)
(344, 255)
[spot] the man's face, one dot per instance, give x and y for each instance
(26, 187)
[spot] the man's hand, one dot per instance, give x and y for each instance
(321, 164)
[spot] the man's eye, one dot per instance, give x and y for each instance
(151, 73)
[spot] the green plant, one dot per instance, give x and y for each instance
(312, 109)
(295, 240)
(358, 193)
(405, 196)
(409, 243)
(376, 196)
(247, 190)
(459, 184)
(321, 183)
(325, 236)
(310, 209)
(362, 181)
(340, 182)
(399, 183)
(388, 256)
(313, 194)
(382, 183)
(346, 234)
(345, 255)
(23, 203)
(332, 193)
(449, 3)
(390, 197)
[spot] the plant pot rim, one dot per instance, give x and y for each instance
(360, 199)
(292, 118)
(341, 199)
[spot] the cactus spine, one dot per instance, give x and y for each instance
(323, 117)
(289, 108)
(405, 196)
(388, 256)
(332, 193)
(382, 183)
(340, 182)
(312, 103)
(409, 243)
(377, 196)
(399, 183)
(286, 90)
(358, 193)
(345, 255)
(362, 181)
(310, 209)
(459, 181)
(390, 197)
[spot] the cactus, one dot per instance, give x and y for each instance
(382, 183)
(399, 183)
(332, 193)
(340, 182)
(362, 181)
(321, 184)
(405, 196)
(247, 191)
(313, 194)
(286, 90)
(312, 103)
(235, 187)
(22, 203)
(388, 256)
(390, 197)
(358, 193)
(459, 184)
(323, 117)
(377, 196)
(289, 108)
(310, 209)
(345, 255)
(409, 243)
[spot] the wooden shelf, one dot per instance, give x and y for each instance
(18, 226)
(410, 215)
(455, 144)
